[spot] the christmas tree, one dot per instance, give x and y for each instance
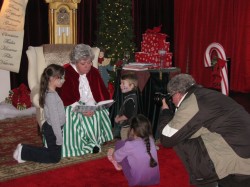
(115, 34)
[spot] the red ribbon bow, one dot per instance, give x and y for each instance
(154, 30)
(217, 72)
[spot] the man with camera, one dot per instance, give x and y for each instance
(210, 133)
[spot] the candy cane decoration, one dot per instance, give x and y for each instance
(221, 54)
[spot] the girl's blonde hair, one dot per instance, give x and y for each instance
(131, 78)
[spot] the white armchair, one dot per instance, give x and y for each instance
(39, 58)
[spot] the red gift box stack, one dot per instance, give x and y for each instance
(152, 42)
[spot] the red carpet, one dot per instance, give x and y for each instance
(101, 173)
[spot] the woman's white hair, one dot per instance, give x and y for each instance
(81, 51)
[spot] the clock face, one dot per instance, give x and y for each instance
(63, 17)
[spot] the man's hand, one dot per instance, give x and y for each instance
(164, 104)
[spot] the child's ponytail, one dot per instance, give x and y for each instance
(152, 161)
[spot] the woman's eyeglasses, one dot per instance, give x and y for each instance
(83, 62)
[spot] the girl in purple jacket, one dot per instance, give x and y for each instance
(137, 156)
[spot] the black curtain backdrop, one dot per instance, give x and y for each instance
(146, 14)
(87, 21)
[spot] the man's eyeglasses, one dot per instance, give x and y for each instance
(172, 94)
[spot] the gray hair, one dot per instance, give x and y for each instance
(180, 83)
(81, 51)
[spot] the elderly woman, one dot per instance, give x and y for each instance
(84, 132)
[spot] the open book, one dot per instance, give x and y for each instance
(99, 106)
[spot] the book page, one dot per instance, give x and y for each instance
(105, 102)
(99, 106)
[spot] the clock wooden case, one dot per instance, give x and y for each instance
(63, 21)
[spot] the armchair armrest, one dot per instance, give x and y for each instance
(32, 68)
(34, 96)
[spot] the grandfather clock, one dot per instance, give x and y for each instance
(63, 21)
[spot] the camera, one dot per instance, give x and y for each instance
(159, 96)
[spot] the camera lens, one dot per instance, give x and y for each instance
(158, 98)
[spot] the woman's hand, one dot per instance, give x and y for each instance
(88, 113)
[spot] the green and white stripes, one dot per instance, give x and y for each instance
(82, 133)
